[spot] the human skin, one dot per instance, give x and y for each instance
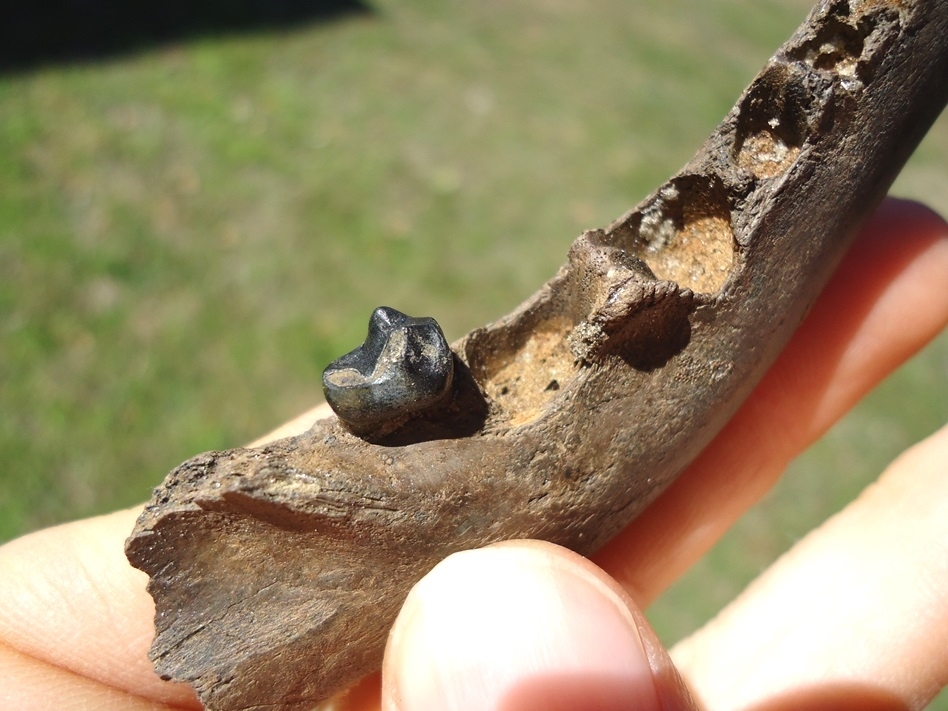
(854, 616)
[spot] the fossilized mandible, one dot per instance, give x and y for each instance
(277, 571)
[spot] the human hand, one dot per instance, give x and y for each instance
(854, 617)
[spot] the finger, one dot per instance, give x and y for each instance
(72, 603)
(364, 696)
(856, 612)
(524, 626)
(33, 685)
(878, 309)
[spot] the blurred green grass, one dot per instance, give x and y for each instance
(189, 234)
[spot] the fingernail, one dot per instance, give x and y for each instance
(519, 627)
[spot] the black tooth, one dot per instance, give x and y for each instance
(404, 368)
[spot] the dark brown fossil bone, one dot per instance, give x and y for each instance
(277, 571)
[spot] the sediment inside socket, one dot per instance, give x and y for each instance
(685, 235)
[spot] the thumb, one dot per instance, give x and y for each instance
(525, 626)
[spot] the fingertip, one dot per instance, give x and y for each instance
(518, 627)
(904, 214)
(900, 234)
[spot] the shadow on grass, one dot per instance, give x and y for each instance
(61, 31)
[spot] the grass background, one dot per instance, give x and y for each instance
(195, 223)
